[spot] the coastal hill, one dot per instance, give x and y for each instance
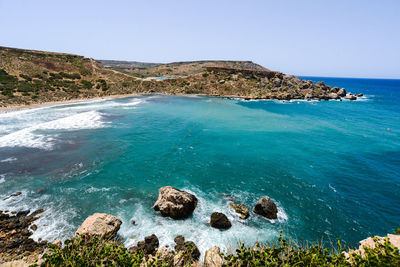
(34, 77)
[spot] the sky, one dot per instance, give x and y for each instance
(316, 38)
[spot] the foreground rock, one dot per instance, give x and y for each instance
(175, 203)
(148, 246)
(100, 224)
(15, 240)
(220, 221)
(267, 208)
(241, 210)
(186, 252)
(213, 258)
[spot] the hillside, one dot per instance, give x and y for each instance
(31, 77)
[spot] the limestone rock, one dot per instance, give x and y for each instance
(350, 97)
(220, 221)
(187, 247)
(342, 92)
(148, 246)
(100, 224)
(333, 96)
(241, 210)
(165, 254)
(213, 258)
(175, 203)
(267, 208)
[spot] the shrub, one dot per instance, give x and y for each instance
(91, 251)
(26, 77)
(205, 75)
(86, 84)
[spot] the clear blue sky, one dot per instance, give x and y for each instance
(325, 38)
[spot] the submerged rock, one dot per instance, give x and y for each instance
(350, 97)
(100, 224)
(213, 258)
(267, 208)
(241, 210)
(220, 221)
(175, 203)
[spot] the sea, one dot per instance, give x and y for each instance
(332, 167)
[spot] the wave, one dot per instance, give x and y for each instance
(33, 137)
(8, 159)
(2, 178)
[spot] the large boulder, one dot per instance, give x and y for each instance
(333, 96)
(213, 258)
(175, 203)
(342, 92)
(100, 224)
(220, 221)
(267, 208)
(148, 246)
(241, 210)
(350, 97)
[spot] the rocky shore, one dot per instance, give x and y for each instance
(18, 247)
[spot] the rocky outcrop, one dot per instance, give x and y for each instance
(241, 210)
(175, 203)
(15, 237)
(342, 92)
(267, 208)
(100, 224)
(213, 258)
(350, 97)
(220, 221)
(148, 245)
(187, 251)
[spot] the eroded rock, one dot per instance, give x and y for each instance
(220, 221)
(267, 208)
(175, 203)
(241, 210)
(213, 258)
(100, 224)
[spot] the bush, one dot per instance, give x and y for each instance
(91, 251)
(26, 77)
(205, 75)
(86, 84)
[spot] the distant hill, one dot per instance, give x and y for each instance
(31, 77)
(174, 69)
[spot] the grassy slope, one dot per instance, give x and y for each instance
(30, 77)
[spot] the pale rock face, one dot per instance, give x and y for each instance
(100, 224)
(212, 258)
(175, 203)
(240, 209)
(369, 242)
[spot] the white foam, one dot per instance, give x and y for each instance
(197, 228)
(8, 159)
(94, 189)
(29, 137)
(2, 178)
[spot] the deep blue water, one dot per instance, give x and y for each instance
(332, 166)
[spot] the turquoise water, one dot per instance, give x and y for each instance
(332, 167)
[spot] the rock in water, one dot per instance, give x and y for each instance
(350, 97)
(267, 208)
(241, 210)
(175, 203)
(342, 92)
(213, 258)
(100, 224)
(333, 96)
(220, 221)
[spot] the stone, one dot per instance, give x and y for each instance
(175, 203)
(100, 224)
(220, 221)
(277, 82)
(350, 97)
(34, 227)
(213, 258)
(342, 92)
(335, 89)
(148, 245)
(241, 210)
(333, 96)
(360, 94)
(267, 208)
(187, 247)
(165, 254)
(13, 195)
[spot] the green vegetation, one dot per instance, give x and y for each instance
(86, 84)
(103, 84)
(91, 251)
